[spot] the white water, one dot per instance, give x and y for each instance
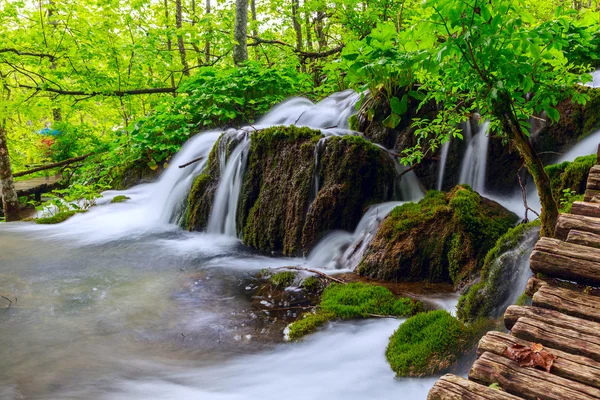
(474, 161)
(443, 159)
(595, 83)
(585, 147)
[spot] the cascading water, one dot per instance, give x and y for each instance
(475, 160)
(443, 159)
(222, 218)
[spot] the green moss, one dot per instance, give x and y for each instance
(120, 199)
(444, 237)
(58, 217)
(570, 175)
(351, 301)
(427, 343)
(283, 279)
(524, 300)
(480, 299)
(307, 325)
(311, 284)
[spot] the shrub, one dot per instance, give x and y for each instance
(283, 279)
(58, 217)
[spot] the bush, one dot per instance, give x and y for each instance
(58, 217)
(570, 175)
(427, 343)
(283, 279)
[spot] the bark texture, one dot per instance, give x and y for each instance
(240, 32)
(10, 200)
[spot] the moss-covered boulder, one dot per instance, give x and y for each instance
(444, 237)
(571, 175)
(352, 301)
(501, 274)
(427, 344)
(277, 212)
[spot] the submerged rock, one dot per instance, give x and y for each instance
(279, 209)
(503, 275)
(443, 238)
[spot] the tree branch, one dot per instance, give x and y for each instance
(27, 53)
(116, 93)
(50, 166)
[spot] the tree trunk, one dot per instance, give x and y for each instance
(298, 30)
(169, 43)
(207, 44)
(240, 32)
(180, 44)
(319, 30)
(56, 113)
(534, 165)
(309, 40)
(10, 201)
(254, 27)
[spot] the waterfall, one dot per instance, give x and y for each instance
(343, 250)
(474, 162)
(443, 159)
(585, 147)
(222, 219)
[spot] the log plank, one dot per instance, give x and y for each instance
(514, 313)
(569, 366)
(569, 302)
(586, 209)
(584, 238)
(528, 383)
(452, 387)
(564, 260)
(590, 194)
(566, 222)
(556, 337)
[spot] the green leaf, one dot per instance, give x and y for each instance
(392, 121)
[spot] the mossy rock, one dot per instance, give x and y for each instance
(120, 199)
(275, 213)
(427, 343)
(485, 299)
(352, 301)
(570, 175)
(443, 238)
(58, 217)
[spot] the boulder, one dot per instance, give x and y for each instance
(443, 238)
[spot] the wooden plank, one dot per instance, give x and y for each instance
(556, 337)
(590, 193)
(514, 313)
(452, 387)
(584, 238)
(561, 267)
(566, 222)
(593, 182)
(569, 366)
(595, 170)
(595, 199)
(528, 383)
(571, 250)
(533, 285)
(586, 208)
(569, 302)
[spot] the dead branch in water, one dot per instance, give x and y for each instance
(314, 271)
(195, 160)
(7, 299)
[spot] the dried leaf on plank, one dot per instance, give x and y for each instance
(535, 356)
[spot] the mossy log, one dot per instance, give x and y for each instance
(568, 261)
(528, 383)
(569, 302)
(569, 366)
(557, 337)
(452, 387)
(584, 238)
(586, 209)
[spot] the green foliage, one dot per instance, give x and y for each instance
(58, 217)
(427, 343)
(569, 179)
(283, 279)
(311, 284)
(524, 300)
(74, 198)
(351, 301)
(120, 199)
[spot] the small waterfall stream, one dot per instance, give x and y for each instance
(475, 159)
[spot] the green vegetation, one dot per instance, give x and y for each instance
(427, 343)
(481, 298)
(444, 237)
(524, 300)
(312, 284)
(283, 279)
(120, 199)
(351, 301)
(58, 217)
(569, 178)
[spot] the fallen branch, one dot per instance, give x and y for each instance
(524, 195)
(382, 316)
(53, 165)
(314, 271)
(292, 308)
(117, 93)
(195, 160)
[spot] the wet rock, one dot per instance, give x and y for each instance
(443, 238)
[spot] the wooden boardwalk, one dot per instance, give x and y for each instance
(36, 186)
(566, 321)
